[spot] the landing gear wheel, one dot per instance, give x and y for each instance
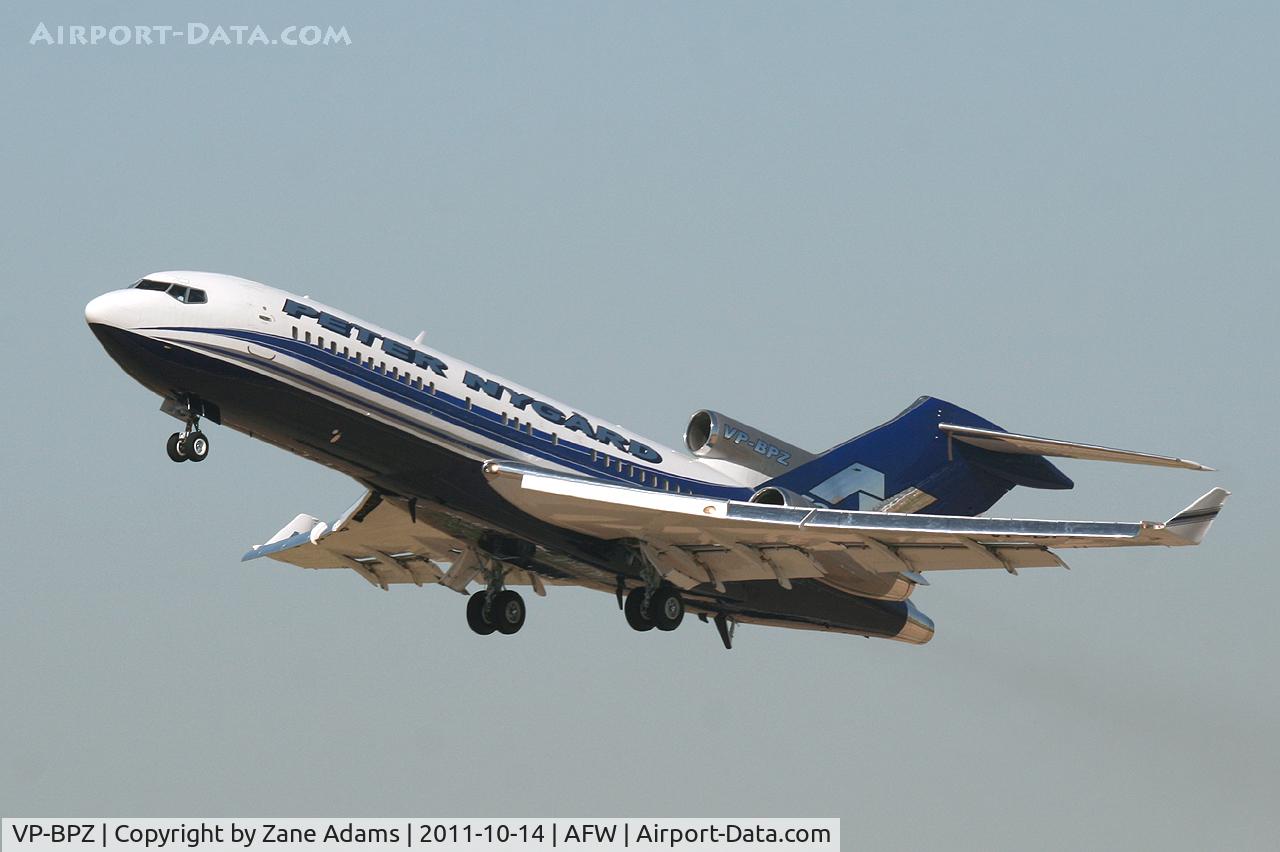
(666, 608)
(634, 610)
(507, 612)
(196, 446)
(475, 614)
(174, 447)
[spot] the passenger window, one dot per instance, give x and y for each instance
(308, 334)
(295, 332)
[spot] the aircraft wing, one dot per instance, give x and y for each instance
(385, 541)
(700, 540)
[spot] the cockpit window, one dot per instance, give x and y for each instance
(186, 295)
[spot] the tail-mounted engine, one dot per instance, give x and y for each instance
(711, 435)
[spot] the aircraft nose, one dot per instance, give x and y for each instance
(107, 309)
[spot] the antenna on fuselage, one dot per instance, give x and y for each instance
(420, 339)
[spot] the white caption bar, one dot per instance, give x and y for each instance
(324, 835)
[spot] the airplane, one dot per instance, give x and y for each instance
(472, 479)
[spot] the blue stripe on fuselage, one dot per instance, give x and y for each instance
(448, 408)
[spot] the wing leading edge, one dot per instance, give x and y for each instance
(386, 542)
(1007, 442)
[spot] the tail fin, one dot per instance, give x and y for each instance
(909, 458)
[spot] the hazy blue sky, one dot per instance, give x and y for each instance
(1063, 216)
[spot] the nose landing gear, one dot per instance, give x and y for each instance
(189, 445)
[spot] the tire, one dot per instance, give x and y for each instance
(507, 612)
(174, 448)
(475, 614)
(632, 609)
(666, 608)
(196, 447)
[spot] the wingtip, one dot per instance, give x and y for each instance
(1193, 522)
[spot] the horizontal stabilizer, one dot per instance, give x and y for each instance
(1007, 442)
(1193, 522)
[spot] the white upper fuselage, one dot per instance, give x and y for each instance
(364, 367)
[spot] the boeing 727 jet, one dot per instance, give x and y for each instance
(471, 479)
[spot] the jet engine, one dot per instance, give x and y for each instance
(772, 495)
(711, 435)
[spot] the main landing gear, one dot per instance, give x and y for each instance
(503, 612)
(655, 604)
(647, 608)
(188, 445)
(498, 608)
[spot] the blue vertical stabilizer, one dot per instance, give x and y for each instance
(911, 452)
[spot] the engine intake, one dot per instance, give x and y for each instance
(771, 495)
(712, 435)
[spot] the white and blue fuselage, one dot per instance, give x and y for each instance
(401, 383)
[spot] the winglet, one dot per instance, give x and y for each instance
(300, 530)
(1193, 522)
